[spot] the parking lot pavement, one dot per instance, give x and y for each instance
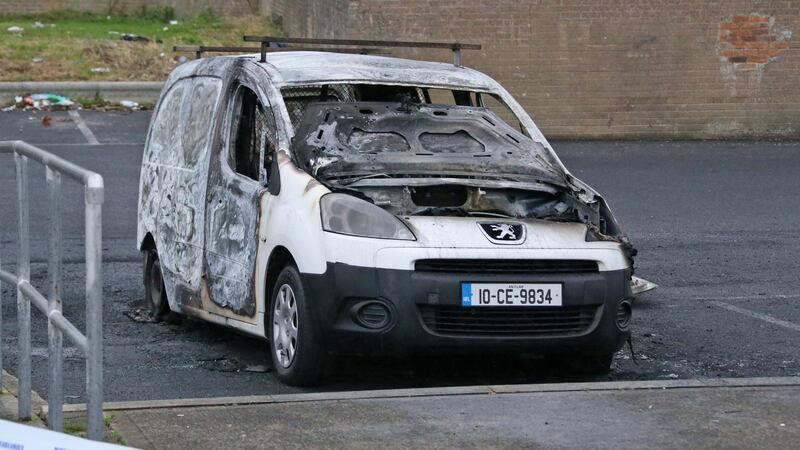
(715, 223)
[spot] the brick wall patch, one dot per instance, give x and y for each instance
(749, 42)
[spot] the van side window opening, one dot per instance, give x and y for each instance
(267, 132)
(196, 131)
(164, 137)
(246, 136)
(183, 123)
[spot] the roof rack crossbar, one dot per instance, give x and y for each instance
(198, 50)
(456, 47)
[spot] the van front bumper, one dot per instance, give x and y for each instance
(426, 316)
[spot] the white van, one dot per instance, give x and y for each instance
(342, 203)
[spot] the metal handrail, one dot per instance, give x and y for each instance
(91, 344)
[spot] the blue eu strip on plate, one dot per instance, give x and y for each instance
(466, 294)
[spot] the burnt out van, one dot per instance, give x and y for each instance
(337, 203)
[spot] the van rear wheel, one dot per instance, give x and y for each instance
(155, 293)
(297, 352)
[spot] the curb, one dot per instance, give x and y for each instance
(115, 91)
(8, 402)
(445, 391)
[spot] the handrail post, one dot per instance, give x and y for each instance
(23, 304)
(2, 384)
(457, 55)
(90, 343)
(55, 393)
(94, 308)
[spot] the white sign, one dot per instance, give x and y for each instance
(14, 436)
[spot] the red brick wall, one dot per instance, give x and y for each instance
(604, 68)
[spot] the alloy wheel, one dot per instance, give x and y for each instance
(284, 326)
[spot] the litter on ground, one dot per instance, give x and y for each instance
(129, 104)
(133, 38)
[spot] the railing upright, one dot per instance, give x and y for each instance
(91, 344)
(23, 274)
(55, 342)
(94, 308)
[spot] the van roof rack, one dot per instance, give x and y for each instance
(198, 50)
(268, 41)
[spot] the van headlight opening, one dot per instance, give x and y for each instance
(345, 214)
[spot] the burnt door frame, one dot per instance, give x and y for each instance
(233, 210)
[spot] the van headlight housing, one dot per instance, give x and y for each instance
(345, 214)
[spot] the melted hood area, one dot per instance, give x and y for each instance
(344, 142)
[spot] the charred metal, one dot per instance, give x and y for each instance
(241, 155)
(417, 159)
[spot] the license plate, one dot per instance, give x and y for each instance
(510, 294)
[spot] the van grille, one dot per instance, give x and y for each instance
(508, 322)
(506, 265)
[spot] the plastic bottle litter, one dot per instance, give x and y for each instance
(100, 70)
(44, 101)
(129, 104)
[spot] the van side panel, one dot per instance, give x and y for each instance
(172, 194)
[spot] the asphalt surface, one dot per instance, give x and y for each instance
(716, 224)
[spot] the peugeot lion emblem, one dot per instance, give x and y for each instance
(503, 233)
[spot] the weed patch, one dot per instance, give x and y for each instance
(70, 45)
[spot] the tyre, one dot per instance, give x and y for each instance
(155, 294)
(297, 352)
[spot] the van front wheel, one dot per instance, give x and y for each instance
(297, 353)
(155, 294)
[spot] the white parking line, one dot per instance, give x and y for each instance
(87, 133)
(734, 298)
(755, 315)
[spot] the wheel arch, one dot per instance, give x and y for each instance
(279, 258)
(148, 242)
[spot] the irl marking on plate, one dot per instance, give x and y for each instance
(466, 294)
